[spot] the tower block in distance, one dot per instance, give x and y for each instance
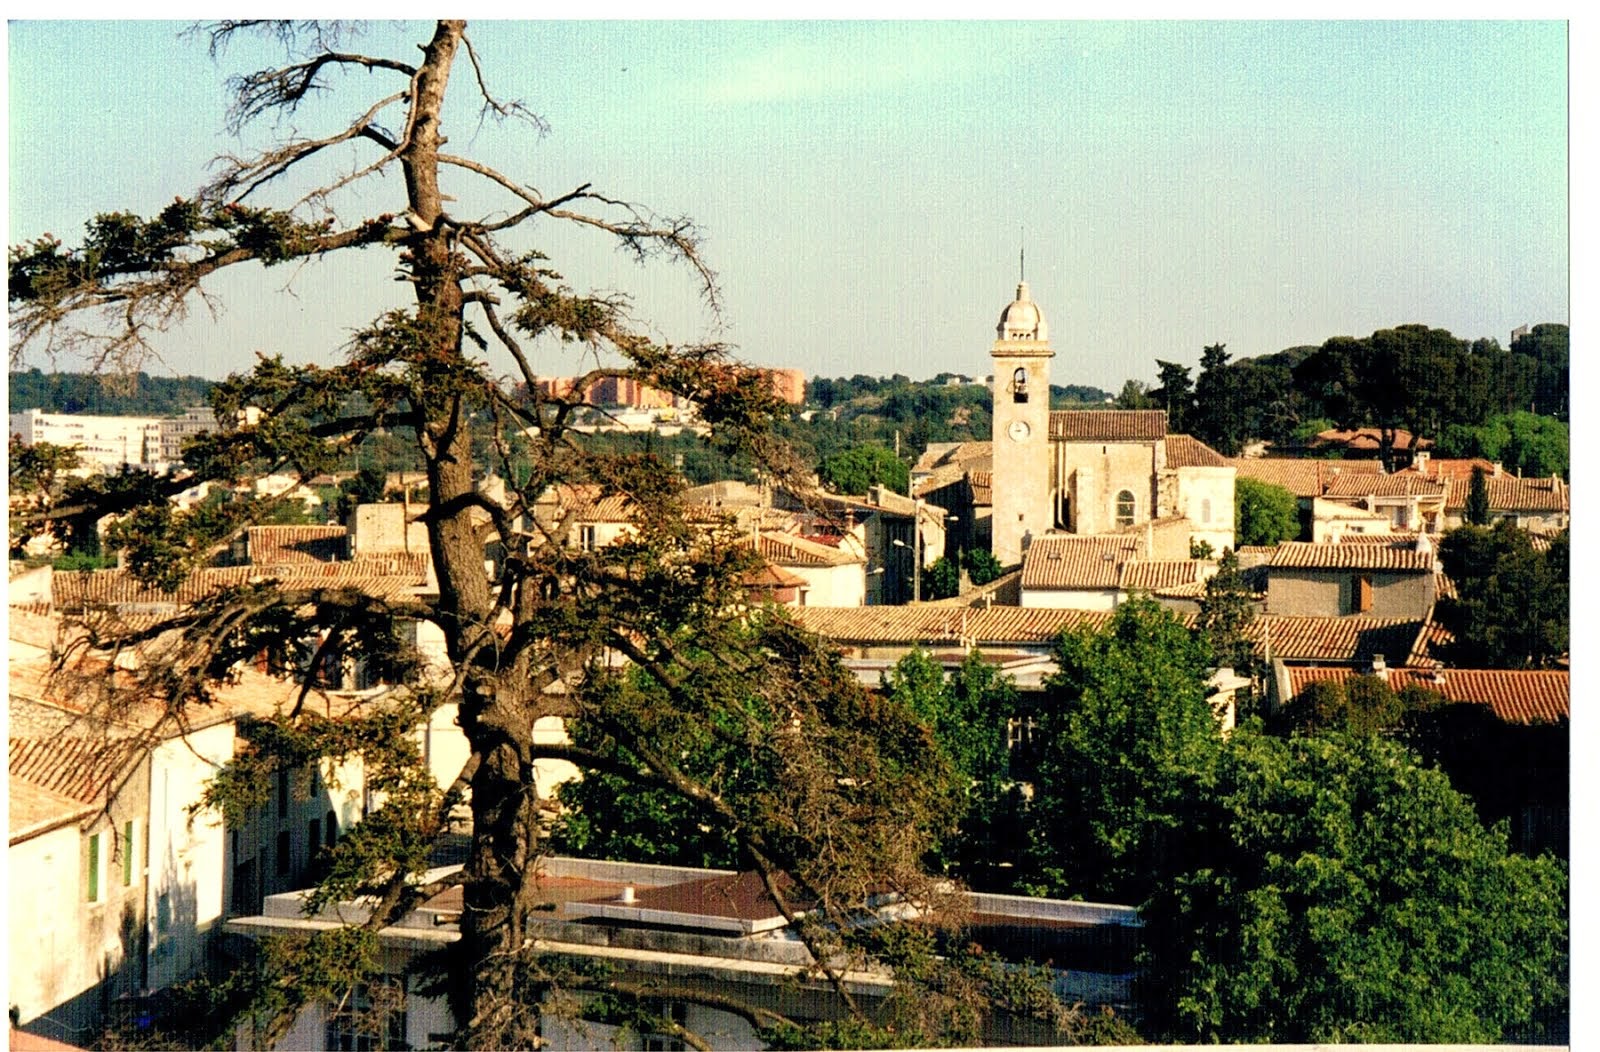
(1022, 468)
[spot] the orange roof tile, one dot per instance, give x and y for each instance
(1509, 493)
(1302, 477)
(989, 626)
(1449, 468)
(1368, 438)
(1338, 639)
(1408, 485)
(35, 809)
(1515, 696)
(271, 545)
(786, 549)
(1075, 563)
(80, 768)
(386, 575)
(1186, 451)
(1108, 425)
(1150, 576)
(982, 485)
(1402, 557)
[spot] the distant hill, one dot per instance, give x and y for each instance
(139, 395)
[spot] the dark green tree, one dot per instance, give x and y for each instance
(1545, 348)
(1134, 395)
(857, 470)
(1263, 513)
(969, 711)
(1477, 510)
(1339, 891)
(1176, 394)
(941, 579)
(1226, 611)
(982, 566)
(1511, 609)
(1127, 746)
(1217, 421)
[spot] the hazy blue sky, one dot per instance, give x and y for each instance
(865, 186)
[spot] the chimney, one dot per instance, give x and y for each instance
(1438, 677)
(1419, 460)
(1497, 469)
(1380, 668)
(627, 894)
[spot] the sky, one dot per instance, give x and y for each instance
(868, 190)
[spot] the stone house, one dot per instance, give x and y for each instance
(1395, 580)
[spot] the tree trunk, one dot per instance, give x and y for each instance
(492, 713)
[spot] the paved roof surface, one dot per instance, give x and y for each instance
(1108, 425)
(1401, 557)
(1515, 696)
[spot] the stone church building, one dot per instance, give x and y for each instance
(1094, 471)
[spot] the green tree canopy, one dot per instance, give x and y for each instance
(1511, 608)
(857, 470)
(1339, 891)
(1127, 743)
(1263, 513)
(1226, 611)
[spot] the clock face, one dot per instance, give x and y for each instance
(1018, 430)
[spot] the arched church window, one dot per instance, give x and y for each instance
(1019, 385)
(1125, 508)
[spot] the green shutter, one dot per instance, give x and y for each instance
(127, 854)
(94, 868)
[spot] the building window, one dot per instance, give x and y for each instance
(586, 538)
(1125, 508)
(283, 792)
(372, 1016)
(130, 851)
(283, 852)
(330, 830)
(1063, 516)
(95, 889)
(1019, 385)
(1360, 593)
(313, 837)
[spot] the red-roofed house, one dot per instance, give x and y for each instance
(1333, 580)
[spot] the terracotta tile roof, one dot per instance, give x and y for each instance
(989, 626)
(1186, 451)
(1340, 639)
(81, 768)
(273, 545)
(981, 483)
(1108, 425)
(953, 454)
(1509, 493)
(786, 549)
(1151, 576)
(1449, 468)
(1393, 537)
(772, 575)
(1303, 477)
(1076, 562)
(35, 809)
(1402, 557)
(1398, 485)
(387, 575)
(1368, 438)
(1519, 697)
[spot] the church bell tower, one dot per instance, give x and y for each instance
(1022, 483)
